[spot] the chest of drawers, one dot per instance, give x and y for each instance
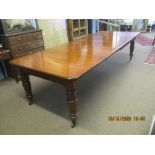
(23, 43)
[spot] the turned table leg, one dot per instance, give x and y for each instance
(72, 101)
(153, 41)
(132, 44)
(27, 87)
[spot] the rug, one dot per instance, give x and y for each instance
(144, 40)
(151, 57)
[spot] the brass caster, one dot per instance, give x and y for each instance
(73, 123)
(18, 79)
(30, 101)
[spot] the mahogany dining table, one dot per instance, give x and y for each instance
(66, 63)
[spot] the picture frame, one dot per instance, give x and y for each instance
(140, 25)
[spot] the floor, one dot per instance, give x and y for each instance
(117, 87)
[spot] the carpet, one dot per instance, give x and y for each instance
(151, 57)
(144, 40)
(116, 87)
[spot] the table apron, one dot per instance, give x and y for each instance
(62, 81)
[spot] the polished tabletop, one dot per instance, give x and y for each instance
(73, 59)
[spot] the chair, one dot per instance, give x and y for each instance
(4, 55)
(2, 69)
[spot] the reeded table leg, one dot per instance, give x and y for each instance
(132, 44)
(27, 87)
(72, 101)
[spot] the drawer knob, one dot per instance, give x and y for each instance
(18, 39)
(35, 36)
(20, 48)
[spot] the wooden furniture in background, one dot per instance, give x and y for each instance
(66, 63)
(4, 55)
(77, 28)
(22, 43)
(124, 27)
(103, 26)
(140, 25)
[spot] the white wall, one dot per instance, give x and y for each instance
(54, 31)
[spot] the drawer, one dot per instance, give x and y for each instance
(35, 36)
(18, 50)
(35, 44)
(38, 49)
(18, 39)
